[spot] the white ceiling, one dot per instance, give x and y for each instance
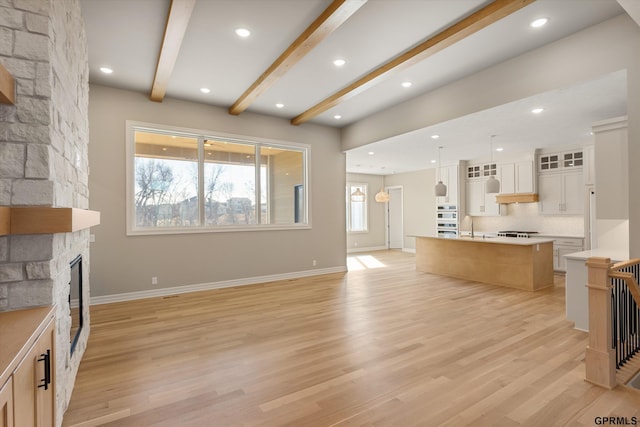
(127, 34)
(566, 121)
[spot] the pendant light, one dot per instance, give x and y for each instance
(441, 189)
(357, 196)
(492, 185)
(382, 196)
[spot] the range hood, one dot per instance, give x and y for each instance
(517, 198)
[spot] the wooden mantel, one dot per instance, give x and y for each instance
(7, 87)
(45, 220)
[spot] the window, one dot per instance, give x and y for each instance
(194, 181)
(357, 197)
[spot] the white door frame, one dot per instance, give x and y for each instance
(386, 215)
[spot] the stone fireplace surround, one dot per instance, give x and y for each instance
(44, 162)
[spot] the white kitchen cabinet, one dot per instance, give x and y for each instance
(507, 177)
(524, 177)
(561, 193)
(516, 177)
(563, 246)
(479, 203)
(449, 176)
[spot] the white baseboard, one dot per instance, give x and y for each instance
(130, 296)
(368, 249)
(410, 250)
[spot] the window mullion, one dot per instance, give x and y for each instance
(201, 213)
(258, 188)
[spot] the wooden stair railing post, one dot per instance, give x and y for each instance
(600, 357)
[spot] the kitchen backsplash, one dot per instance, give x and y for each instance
(525, 216)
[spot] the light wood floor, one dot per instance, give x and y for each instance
(380, 346)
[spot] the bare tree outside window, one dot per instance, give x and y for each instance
(185, 180)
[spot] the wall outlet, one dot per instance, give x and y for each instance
(314, 263)
(355, 243)
(154, 280)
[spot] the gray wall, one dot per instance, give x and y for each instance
(419, 203)
(122, 264)
(374, 238)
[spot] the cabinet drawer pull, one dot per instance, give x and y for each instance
(46, 358)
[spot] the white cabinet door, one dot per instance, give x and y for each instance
(491, 207)
(449, 176)
(506, 175)
(561, 193)
(516, 177)
(452, 184)
(573, 196)
(475, 198)
(556, 259)
(478, 202)
(550, 193)
(524, 178)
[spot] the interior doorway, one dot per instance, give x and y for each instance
(395, 232)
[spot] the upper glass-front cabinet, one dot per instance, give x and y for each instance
(558, 161)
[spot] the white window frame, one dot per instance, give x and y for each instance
(365, 212)
(133, 230)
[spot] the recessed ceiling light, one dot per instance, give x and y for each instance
(243, 32)
(205, 90)
(435, 136)
(339, 62)
(433, 161)
(279, 105)
(540, 22)
(537, 110)
(337, 117)
(406, 84)
(371, 153)
(499, 149)
(106, 70)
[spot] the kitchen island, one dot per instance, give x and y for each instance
(522, 263)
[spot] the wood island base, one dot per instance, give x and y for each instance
(516, 263)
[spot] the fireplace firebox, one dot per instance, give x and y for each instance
(75, 301)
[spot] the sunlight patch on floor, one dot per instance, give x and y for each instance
(362, 262)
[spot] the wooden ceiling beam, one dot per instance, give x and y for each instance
(324, 25)
(177, 22)
(455, 33)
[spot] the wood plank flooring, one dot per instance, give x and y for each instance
(382, 345)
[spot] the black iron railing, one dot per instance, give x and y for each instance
(625, 312)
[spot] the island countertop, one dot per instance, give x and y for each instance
(522, 263)
(522, 241)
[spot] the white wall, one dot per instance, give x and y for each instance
(525, 216)
(124, 264)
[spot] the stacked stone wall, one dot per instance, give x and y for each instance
(44, 162)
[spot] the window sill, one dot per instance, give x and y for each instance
(220, 229)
